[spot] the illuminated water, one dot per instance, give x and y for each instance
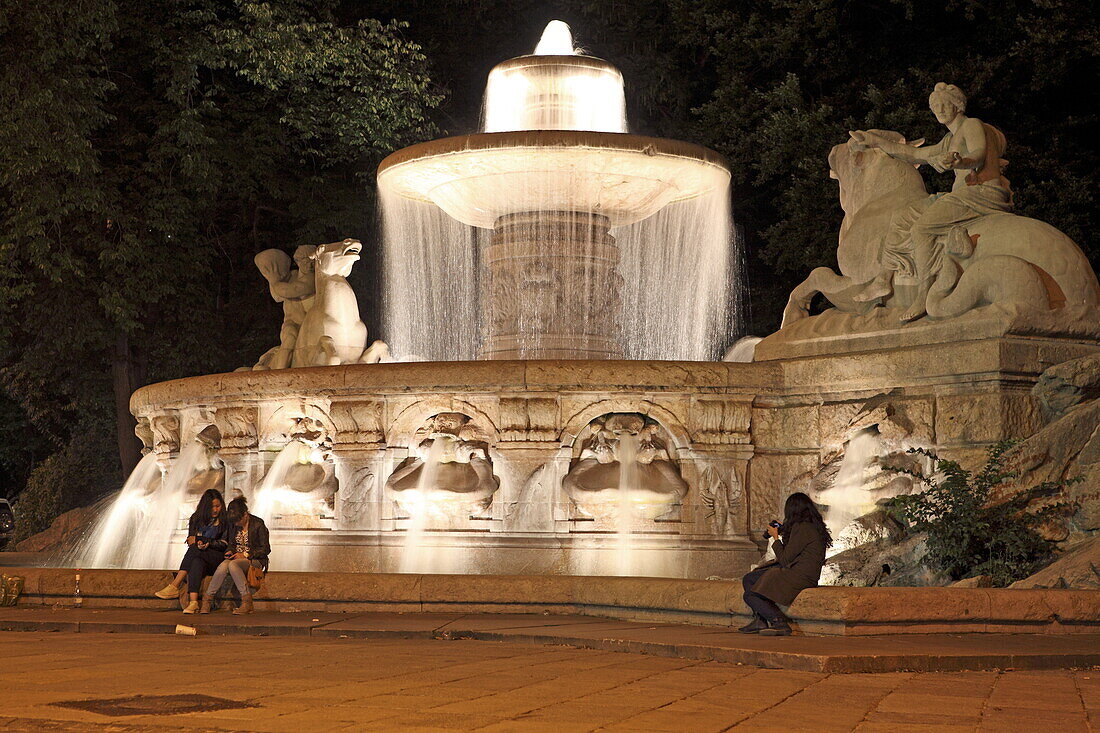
(136, 531)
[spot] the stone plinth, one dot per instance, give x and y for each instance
(552, 290)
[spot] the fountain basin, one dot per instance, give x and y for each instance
(533, 415)
(479, 178)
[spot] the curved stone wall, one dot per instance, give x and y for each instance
(531, 414)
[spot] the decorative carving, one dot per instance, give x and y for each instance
(166, 433)
(624, 463)
(450, 475)
(355, 495)
(721, 421)
(528, 418)
(144, 432)
(721, 499)
(237, 426)
(357, 422)
(553, 289)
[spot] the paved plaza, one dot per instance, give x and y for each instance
(315, 684)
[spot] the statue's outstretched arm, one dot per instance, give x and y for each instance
(902, 151)
(295, 288)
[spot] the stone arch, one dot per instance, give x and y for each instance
(286, 414)
(412, 417)
(574, 424)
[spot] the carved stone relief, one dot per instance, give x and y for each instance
(624, 463)
(450, 474)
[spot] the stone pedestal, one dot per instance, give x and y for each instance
(552, 290)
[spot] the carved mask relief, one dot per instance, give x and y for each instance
(449, 473)
(624, 465)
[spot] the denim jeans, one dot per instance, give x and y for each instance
(238, 570)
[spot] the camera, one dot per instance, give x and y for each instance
(773, 523)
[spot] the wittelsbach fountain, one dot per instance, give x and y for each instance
(544, 403)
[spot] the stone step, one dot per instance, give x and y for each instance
(916, 652)
(837, 611)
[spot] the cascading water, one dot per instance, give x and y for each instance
(275, 495)
(846, 498)
(287, 503)
(624, 516)
(418, 555)
(107, 544)
(558, 232)
(136, 531)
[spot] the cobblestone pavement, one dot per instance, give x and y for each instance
(302, 684)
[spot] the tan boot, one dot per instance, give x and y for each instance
(206, 602)
(245, 607)
(168, 592)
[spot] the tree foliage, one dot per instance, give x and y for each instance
(149, 150)
(973, 532)
(147, 153)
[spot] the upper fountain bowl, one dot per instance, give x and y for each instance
(478, 178)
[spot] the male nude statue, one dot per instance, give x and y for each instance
(295, 290)
(972, 149)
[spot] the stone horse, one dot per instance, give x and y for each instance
(332, 332)
(998, 258)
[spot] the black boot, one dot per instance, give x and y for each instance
(757, 625)
(776, 627)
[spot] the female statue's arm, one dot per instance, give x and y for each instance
(927, 155)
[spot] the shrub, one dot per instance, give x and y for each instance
(970, 535)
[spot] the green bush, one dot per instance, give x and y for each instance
(81, 472)
(967, 535)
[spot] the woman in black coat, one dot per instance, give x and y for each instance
(799, 547)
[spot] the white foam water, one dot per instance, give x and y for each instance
(136, 529)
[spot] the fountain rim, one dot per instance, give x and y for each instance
(617, 141)
(454, 377)
(578, 60)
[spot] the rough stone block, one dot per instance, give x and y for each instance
(985, 417)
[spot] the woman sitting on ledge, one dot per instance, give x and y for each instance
(206, 532)
(799, 545)
(249, 546)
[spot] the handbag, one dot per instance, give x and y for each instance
(256, 576)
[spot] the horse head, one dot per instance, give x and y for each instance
(337, 258)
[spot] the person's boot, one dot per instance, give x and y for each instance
(207, 601)
(755, 626)
(776, 627)
(168, 592)
(245, 607)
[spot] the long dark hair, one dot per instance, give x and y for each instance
(204, 512)
(801, 508)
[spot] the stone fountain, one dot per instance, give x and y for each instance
(523, 263)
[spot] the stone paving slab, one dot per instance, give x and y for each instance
(931, 652)
(298, 683)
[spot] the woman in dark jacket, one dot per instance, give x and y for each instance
(249, 545)
(799, 547)
(206, 532)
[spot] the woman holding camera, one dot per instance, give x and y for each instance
(799, 545)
